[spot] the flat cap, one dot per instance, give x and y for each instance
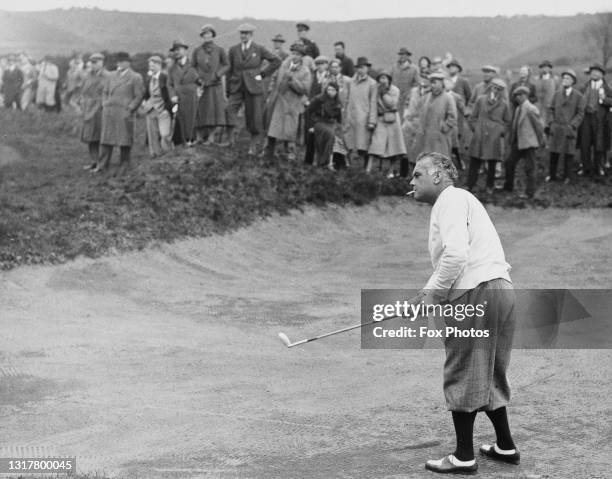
(94, 57)
(178, 44)
(156, 59)
(545, 63)
(456, 63)
(404, 51)
(321, 59)
(302, 26)
(490, 68)
(278, 38)
(437, 76)
(498, 82)
(385, 73)
(246, 27)
(298, 48)
(521, 90)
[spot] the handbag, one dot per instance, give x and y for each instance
(390, 116)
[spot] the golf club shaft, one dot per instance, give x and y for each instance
(348, 328)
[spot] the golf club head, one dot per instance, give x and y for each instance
(283, 337)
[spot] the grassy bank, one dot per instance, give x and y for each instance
(51, 210)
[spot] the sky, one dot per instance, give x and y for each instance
(329, 9)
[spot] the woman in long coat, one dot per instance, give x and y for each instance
(290, 85)
(325, 112)
(489, 121)
(211, 63)
(411, 127)
(90, 102)
(387, 139)
(565, 116)
(183, 87)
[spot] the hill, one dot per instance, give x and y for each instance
(506, 41)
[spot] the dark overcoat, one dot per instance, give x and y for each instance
(91, 105)
(565, 115)
(490, 122)
(183, 84)
(122, 95)
(211, 63)
(245, 67)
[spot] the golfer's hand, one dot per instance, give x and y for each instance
(371, 126)
(258, 77)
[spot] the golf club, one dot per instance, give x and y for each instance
(285, 339)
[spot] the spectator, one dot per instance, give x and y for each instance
(424, 66)
(74, 81)
(524, 80)
(319, 79)
(546, 85)
(48, 75)
(387, 140)
(325, 112)
(565, 115)
(292, 83)
(90, 103)
(310, 48)
(12, 82)
(361, 110)
(158, 109)
(211, 63)
(404, 75)
(347, 68)
(595, 129)
(526, 136)
(490, 122)
(29, 80)
(182, 87)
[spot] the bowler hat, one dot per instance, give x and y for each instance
(404, 51)
(278, 38)
(178, 44)
(597, 66)
(520, 90)
(361, 61)
(321, 59)
(456, 63)
(302, 26)
(246, 27)
(490, 68)
(208, 28)
(156, 59)
(123, 57)
(498, 82)
(298, 48)
(571, 73)
(545, 63)
(94, 57)
(385, 73)
(437, 76)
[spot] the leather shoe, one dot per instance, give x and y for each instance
(489, 451)
(446, 465)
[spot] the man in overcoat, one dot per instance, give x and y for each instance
(310, 48)
(90, 103)
(121, 97)
(12, 82)
(211, 63)
(595, 129)
(361, 110)
(488, 73)
(405, 77)
(438, 119)
(245, 84)
(291, 84)
(526, 136)
(470, 271)
(565, 116)
(183, 82)
(490, 122)
(546, 84)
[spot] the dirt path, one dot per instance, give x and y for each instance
(165, 363)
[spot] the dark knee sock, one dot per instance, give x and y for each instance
(499, 418)
(464, 430)
(94, 151)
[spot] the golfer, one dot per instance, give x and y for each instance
(469, 269)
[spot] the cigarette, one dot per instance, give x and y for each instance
(410, 193)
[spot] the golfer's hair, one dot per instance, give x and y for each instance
(441, 163)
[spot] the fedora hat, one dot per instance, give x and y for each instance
(278, 38)
(363, 61)
(545, 63)
(404, 51)
(456, 63)
(178, 44)
(246, 27)
(123, 57)
(571, 73)
(597, 66)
